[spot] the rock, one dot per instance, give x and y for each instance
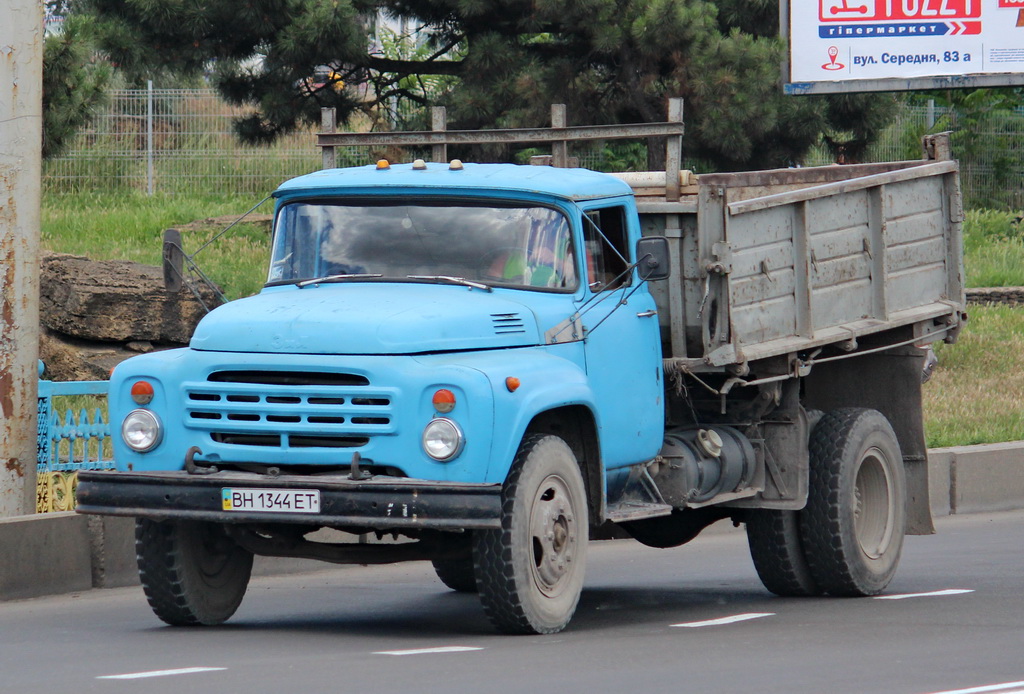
(68, 360)
(115, 301)
(1009, 296)
(141, 346)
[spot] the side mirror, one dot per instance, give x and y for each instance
(653, 260)
(174, 258)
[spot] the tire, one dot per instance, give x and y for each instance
(778, 553)
(192, 572)
(777, 548)
(457, 574)
(530, 572)
(855, 518)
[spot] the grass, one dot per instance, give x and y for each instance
(976, 392)
(130, 226)
(993, 249)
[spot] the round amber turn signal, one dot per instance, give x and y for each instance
(444, 401)
(142, 392)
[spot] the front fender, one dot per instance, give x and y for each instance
(549, 377)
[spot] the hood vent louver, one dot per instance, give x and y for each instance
(507, 323)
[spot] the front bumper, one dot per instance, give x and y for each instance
(378, 503)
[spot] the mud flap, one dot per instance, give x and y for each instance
(889, 382)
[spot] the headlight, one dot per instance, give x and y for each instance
(443, 439)
(141, 430)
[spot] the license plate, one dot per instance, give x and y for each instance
(271, 500)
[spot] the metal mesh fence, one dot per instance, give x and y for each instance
(989, 146)
(182, 141)
(174, 141)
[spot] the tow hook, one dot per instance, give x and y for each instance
(356, 473)
(192, 468)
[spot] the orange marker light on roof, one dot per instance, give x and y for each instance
(444, 401)
(512, 383)
(383, 164)
(142, 392)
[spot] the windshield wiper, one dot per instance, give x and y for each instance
(454, 280)
(333, 278)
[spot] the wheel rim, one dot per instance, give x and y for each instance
(874, 507)
(213, 556)
(554, 536)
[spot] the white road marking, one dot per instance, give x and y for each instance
(160, 673)
(439, 649)
(725, 620)
(933, 594)
(988, 688)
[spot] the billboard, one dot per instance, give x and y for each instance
(874, 45)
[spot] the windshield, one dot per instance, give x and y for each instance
(512, 246)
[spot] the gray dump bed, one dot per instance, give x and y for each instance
(779, 262)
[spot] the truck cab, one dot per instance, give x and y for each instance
(489, 284)
(419, 323)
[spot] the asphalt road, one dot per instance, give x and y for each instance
(641, 626)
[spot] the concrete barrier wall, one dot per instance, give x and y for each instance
(977, 479)
(44, 554)
(55, 553)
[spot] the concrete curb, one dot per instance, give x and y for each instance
(55, 553)
(976, 479)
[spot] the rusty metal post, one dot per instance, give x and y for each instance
(21, 87)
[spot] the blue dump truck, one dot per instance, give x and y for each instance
(487, 365)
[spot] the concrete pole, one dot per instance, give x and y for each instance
(21, 123)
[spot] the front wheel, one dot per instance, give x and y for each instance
(192, 573)
(854, 522)
(530, 572)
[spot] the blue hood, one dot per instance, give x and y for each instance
(367, 318)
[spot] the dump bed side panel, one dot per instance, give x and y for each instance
(812, 265)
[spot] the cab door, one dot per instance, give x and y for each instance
(622, 343)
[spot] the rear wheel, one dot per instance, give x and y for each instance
(530, 572)
(778, 553)
(457, 574)
(192, 573)
(854, 522)
(777, 548)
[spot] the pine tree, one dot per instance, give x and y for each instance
(607, 60)
(74, 84)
